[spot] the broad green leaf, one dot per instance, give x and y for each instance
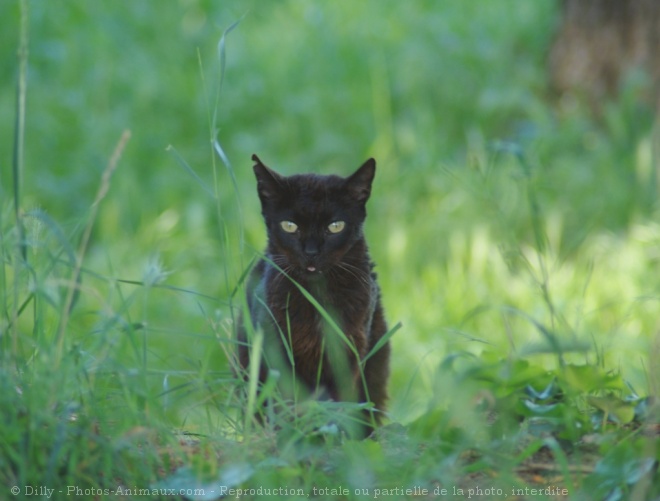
(587, 378)
(623, 412)
(542, 409)
(549, 391)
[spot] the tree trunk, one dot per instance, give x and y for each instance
(600, 41)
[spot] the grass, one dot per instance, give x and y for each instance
(516, 240)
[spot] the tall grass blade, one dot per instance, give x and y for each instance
(3, 274)
(57, 232)
(66, 248)
(241, 280)
(551, 338)
(19, 159)
(381, 342)
(256, 354)
(322, 311)
(540, 237)
(171, 149)
(336, 358)
(172, 288)
(19, 127)
(222, 57)
(113, 162)
(225, 160)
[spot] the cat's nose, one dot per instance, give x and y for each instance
(311, 248)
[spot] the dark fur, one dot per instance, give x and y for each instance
(342, 282)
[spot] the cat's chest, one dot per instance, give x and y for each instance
(304, 314)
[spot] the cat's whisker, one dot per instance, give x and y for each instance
(346, 264)
(283, 273)
(363, 277)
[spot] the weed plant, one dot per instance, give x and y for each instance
(516, 239)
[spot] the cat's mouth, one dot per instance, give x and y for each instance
(311, 267)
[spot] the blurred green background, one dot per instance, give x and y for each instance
(494, 202)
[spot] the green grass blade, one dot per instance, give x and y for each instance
(19, 126)
(322, 311)
(57, 232)
(222, 58)
(381, 342)
(180, 160)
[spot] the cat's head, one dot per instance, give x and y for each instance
(313, 220)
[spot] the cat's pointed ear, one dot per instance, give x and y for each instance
(359, 183)
(269, 182)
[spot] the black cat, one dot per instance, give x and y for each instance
(316, 243)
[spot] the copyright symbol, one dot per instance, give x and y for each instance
(15, 490)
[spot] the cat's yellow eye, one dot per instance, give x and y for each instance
(289, 227)
(336, 226)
